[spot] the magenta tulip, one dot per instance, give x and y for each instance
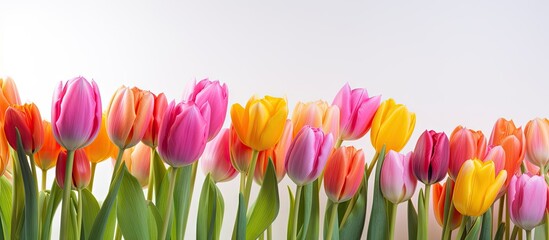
(397, 181)
(356, 112)
(527, 200)
(307, 155)
(76, 113)
(215, 95)
(430, 157)
(216, 159)
(183, 134)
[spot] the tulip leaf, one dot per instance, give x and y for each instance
(5, 206)
(335, 225)
(377, 227)
(210, 211)
(18, 198)
(90, 209)
(162, 200)
(421, 215)
(52, 201)
(353, 226)
(486, 228)
(132, 212)
(412, 221)
(182, 199)
(240, 233)
(305, 211)
(30, 222)
(314, 222)
(501, 231)
(103, 220)
(155, 221)
(266, 207)
(474, 232)
(291, 213)
(72, 216)
(159, 171)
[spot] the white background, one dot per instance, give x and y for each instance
(466, 63)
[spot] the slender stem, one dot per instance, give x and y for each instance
(93, 167)
(339, 142)
(118, 162)
(250, 177)
(546, 224)
(33, 167)
(118, 233)
(501, 209)
(270, 232)
(528, 234)
(462, 227)
(515, 232)
(170, 204)
(66, 196)
(331, 222)
(426, 209)
(293, 234)
(150, 187)
(349, 209)
(507, 220)
(392, 221)
(80, 213)
(372, 165)
(242, 182)
(44, 179)
(446, 231)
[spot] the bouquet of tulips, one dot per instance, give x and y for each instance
(490, 190)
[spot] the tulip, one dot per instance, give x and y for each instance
(307, 155)
(26, 118)
(344, 172)
(316, 114)
(527, 200)
(137, 160)
(496, 154)
(477, 187)
(4, 154)
(260, 123)
(397, 180)
(151, 133)
(241, 155)
(216, 159)
(46, 157)
(277, 154)
(392, 126)
(430, 157)
(215, 96)
(511, 139)
(8, 96)
(129, 115)
(439, 198)
(102, 147)
(81, 173)
(465, 144)
(357, 111)
(76, 113)
(537, 141)
(183, 134)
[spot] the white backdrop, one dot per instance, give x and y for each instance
(466, 63)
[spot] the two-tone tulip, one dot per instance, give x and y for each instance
(46, 157)
(8, 95)
(241, 155)
(511, 138)
(496, 154)
(277, 154)
(439, 198)
(392, 126)
(151, 133)
(465, 144)
(212, 95)
(537, 141)
(216, 159)
(102, 147)
(344, 173)
(316, 114)
(81, 172)
(527, 200)
(430, 157)
(397, 180)
(25, 118)
(137, 160)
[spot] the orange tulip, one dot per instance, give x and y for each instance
(277, 154)
(151, 135)
(316, 114)
(511, 138)
(343, 174)
(102, 147)
(4, 153)
(439, 197)
(46, 157)
(137, 161)
(26, 118)
(8, 96)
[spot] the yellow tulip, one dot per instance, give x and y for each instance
(477, 186)
(260, 124)
(392, 126)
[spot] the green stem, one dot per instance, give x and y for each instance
(293, 234)
(169, 203)
(331, 222)
(66, 196)
(150, 187)
(372, 165)
(507, 220)
(349, 208)
(528, 234)
(446, 231)
(250, 178)
(425, 218)
(501, 208)
(242, 182)
(392, 221)
(546, 224)
(33, 167)
(339, 142)
(79, 214)
(93, 167)
(515, 232)
(44, 179)
(270, 232)
(118, 233)
(118, 163)
(462, 227)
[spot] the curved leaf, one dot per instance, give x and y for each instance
(132, 212)
(30, 222)
(5, 206)
(378, 227)
(266, 206)
(90, 209)
(103, 220)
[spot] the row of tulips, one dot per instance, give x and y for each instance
(158, 145)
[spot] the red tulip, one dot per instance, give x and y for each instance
(81, 172)
(26, 118)
(151, 133)
(465, 144)
(430, 157)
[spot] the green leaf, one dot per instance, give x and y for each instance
(219, 213)
(354, 224)
(501, 231)
(475, 229)
(305, 211)
(486, 228)
(72, 216)
(159, 172)
(155, 221)
(18, 198)
(241, 218)
(162, 200)
(266, 206)
(5, 206)
(421, 212)
(412, 221)
(335, 232)
(103, 217)
(314, 222)
(182, 199)
(30, 223)
(378, 227)
(291, 213)
(210, 211)
(90, 209)
(52, 202)
(132, 213)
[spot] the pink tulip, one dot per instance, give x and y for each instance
(430, 157)
(307, 155)
(151, 134)
(216, 159)
(497, 155)
(76, 113)
(183, 134)
(465, 144)
(527, 200)
(215, 95)
(356, 112)
(343, 174)
(397, 181)
(537, 141)
(81, 173)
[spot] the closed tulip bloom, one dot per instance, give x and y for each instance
(497, 155)
(102, 147)
(307, 155)
(260, 123)
(183, 134)
(76, 113)
(241, 155)
(8, 96)
(537, 141)
(527, 200)
(129, 115)
(216, 159)
(151, 133)
(81, 172)
(392, 126)
(357, 110)
(316, 114)
(216, 96)
(397, 180)
(430, 157)
(46, 157)
(343, 174)
(465, 144)
(4, 155)
(477, 187)
(511, 138)
(138, 162)
(277, 154)
(439, 198)
(26, 118)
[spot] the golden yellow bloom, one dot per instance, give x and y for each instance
(260, 124)
(102, 147)
(392, 126)
(477, 186)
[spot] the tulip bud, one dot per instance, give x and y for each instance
(241, 155)
(46, 157)
(151, 133)
(26, 118)
(527, 200)
(430, 157)
(81, 173)
(138, 162)
(392, 126)
(397, 180)
(76, 113)
(344, 172)
(216, 96)
(439, 198)
(8, 95)
(307, 155)
(277, 154)
(465, 144)
(537, 141)
(216, 159)
(316, 114)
